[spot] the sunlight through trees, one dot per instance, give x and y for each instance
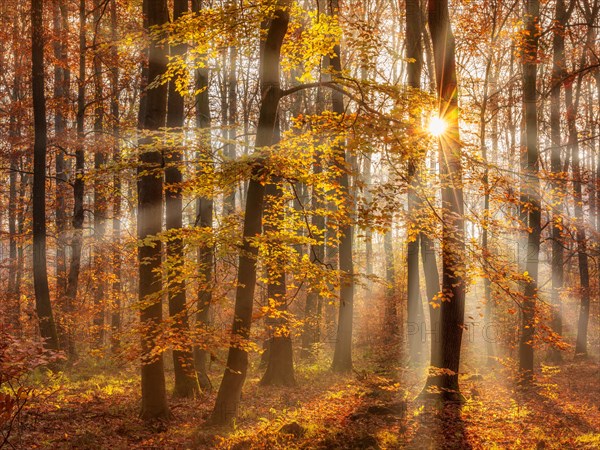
(299, 224)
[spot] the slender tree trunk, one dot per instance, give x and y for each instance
(186, 381)
(485, 249)
(591, 184)
(14, 200)
(414, 52)
(117, 286)
(231, 117)
(100, 200)
(391, 300)
(532, 190)
(432, 287)
(367, 176)
(206, 261)
(490, 302)
(24, 183)
(313, 305)
(204, 211)
(428, 253)
(229, 198)
(367, 170)
(523, 187)
(453, 246)
(149, 224)
(61, 88)
(13, 299)
(558, 181)
(228, 398)
(78, 187)
(582, 251)
(342, 356)
(40, 270)
(280, 362)
(582, 246)
(489, 104)
(312, 316)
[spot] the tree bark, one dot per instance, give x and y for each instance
(78, 186)
(186, 381)
(100, 200)
(14, 199)
(582, 245)
(228, 397)
(231, 116)
(314, 301)
(13, 299)
(453, 246)
(117, 286)
(310, 334)
(149, 224)
(532, 191)
(280, 360)
(62, 77)
(432, 288)
(40, 269)
(24, 184)
(414, 52)
(204, 212)
(391, 300)
(558, 181)
(342, 356)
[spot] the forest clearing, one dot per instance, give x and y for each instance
(278, 224)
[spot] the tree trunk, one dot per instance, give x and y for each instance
(532, 191)
(368, 230)
(584, 276)
(40, 269)
(206, 261)
(186, 381)
(229, 198)
(61, 88)
(116, 222)
(367, 176)
(391, 300)
(414, 52)
(280, 361)
(342, 356)
(279, 356)
(310, 334)
(149, 223)
(432, 288)
(100, 200)
(24, 183)
(558, 182)
(582, 247)
(489, 104)
(14, 200)
(230, 391)
(204, 212)
(78, 187)
(453, 246)
(313, 305)
(13, 299)
(231, 116)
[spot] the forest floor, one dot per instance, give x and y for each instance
(368, 409)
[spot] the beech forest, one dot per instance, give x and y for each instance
(299, 224)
